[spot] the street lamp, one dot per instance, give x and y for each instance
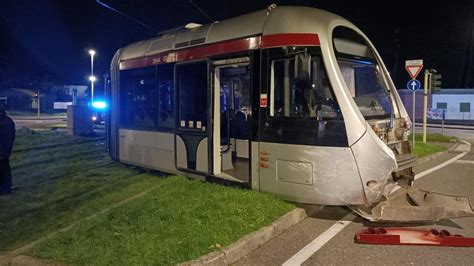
(92, 79)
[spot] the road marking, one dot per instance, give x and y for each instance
(464, 162)
(446, 163)
(319, 241)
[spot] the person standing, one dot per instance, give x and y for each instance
(7, 137)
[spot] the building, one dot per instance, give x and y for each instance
(20, 99)
(458, 103)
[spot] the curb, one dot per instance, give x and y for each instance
(435, 155)
(252, 241)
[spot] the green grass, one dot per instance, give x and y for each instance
(27, 138)
(55, 187)
(434, 143)
(435, 138)
(424, 149)
(178, 220)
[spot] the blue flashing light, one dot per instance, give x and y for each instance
(99, 105)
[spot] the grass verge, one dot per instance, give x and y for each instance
(435, 143)
(424, 149)
(435, 138)
(178, 220)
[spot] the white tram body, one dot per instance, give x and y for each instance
(294, 101)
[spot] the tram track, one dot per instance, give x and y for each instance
(63, 201)
(45, 147)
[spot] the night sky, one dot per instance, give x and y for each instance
(48, 39)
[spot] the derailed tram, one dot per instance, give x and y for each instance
(294, 101)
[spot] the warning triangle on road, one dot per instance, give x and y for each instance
(413, 71)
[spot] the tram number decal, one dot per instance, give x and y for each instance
(263, 100)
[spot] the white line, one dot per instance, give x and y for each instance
(446, 163)
(465, 162)
(436, 168)
(319, 242)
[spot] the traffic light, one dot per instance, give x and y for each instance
(435, 81)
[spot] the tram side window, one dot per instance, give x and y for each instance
(166, 96)
(303, 108)
(191, 84)
(139, 98)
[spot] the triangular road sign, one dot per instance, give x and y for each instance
(413, 71)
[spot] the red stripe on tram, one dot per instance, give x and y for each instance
(199, 52)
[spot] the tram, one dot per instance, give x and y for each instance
(294, 101)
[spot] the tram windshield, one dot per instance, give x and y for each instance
(362, 74)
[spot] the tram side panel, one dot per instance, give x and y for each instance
(154, 150)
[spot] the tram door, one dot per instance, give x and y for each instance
(232, 119)
(192, 113)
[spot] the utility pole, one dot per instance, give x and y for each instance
(425, 101)
(39, 105)
(432, 83)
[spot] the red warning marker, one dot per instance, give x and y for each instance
(407, 236)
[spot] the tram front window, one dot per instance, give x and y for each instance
(362, 74)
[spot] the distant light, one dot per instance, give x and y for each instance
(92, 79)
(99, 105)
(94, 118)
(91, 52)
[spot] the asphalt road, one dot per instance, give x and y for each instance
(339, 248)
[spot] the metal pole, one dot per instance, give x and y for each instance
(39, 105)
(414, 119)
(442, 126)
(92, 74)
(425, 104)
(442, 122)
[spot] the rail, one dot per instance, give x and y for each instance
(45, 147)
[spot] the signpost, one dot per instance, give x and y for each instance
(413, 85)
(413, 68)
(435, 114)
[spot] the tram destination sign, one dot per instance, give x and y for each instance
(414, 67)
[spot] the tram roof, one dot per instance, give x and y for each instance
(284, 19)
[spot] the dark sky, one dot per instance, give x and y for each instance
(49, 39)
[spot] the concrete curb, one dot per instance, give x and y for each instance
(436, 155)
(250, 242)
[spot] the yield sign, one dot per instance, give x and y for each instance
(414, 67)
(413, 71)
